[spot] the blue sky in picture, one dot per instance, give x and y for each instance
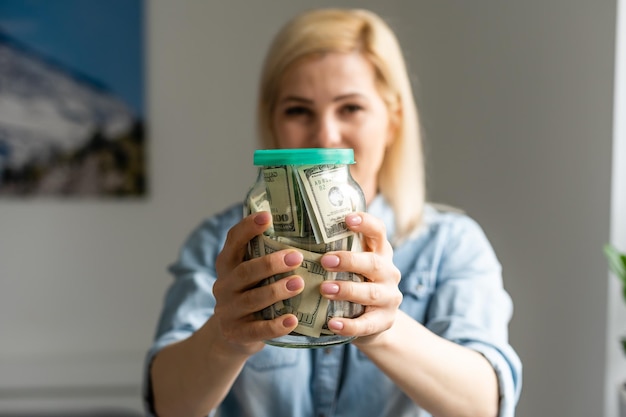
(102, 39)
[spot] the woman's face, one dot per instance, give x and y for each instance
(331, 101)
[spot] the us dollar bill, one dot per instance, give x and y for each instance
(313, 310)
(283, 199)
(310, 244)
(343, 308)
(257, 201)
(328, 198)
(309, 306)
(256, 249)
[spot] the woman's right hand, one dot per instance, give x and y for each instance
(238, 294)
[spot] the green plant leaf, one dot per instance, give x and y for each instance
(624, 345)
(617, 262)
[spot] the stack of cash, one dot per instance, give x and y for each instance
(308, 205)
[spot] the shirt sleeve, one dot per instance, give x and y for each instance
(189, 300)
(470, 305)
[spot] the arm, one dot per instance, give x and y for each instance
(191, 377)
(440, 376)
(445, 378)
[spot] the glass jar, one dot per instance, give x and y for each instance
(309, 192)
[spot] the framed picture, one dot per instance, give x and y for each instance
(72, 114)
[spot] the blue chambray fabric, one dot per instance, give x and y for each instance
(451, 282)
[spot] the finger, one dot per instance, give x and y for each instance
(364, 293)
(238, 237)
(373, 322)
(371, 265)
(372, 230)
(251, 272)
(257, 330)
(264, 296)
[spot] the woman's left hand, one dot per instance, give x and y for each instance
(379, 294)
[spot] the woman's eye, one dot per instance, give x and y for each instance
(297, 111)
(351, 108)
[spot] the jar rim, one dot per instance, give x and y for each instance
(303, 156)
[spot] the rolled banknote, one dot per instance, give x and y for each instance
(282, 197)
(309, 306)
(311, 245)
(258, 202)
(312, 310)
(328, 198)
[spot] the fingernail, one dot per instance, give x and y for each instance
(293, 258)
(262, 218)
(295, 284)
(290, 321)
(330, 288)
(330, 261)
(354, 219)
(335, 325)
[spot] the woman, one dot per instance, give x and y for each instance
(433, 338)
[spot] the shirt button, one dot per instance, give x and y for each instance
(327, 351)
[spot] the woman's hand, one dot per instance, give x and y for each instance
(379, 293)
(238, 294)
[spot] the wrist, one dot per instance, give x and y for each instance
(219, 347)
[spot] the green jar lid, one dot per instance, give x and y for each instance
(303, 156)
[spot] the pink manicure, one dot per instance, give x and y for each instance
(335, 325)
(330, 261)
(293, 258)
(330, 288)
(354, 219)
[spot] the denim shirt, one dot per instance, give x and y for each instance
(451, 283)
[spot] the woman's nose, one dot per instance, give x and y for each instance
(327, 132)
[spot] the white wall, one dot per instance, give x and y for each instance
(616, 329)
(516, 99)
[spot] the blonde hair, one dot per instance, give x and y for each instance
(401, 177)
